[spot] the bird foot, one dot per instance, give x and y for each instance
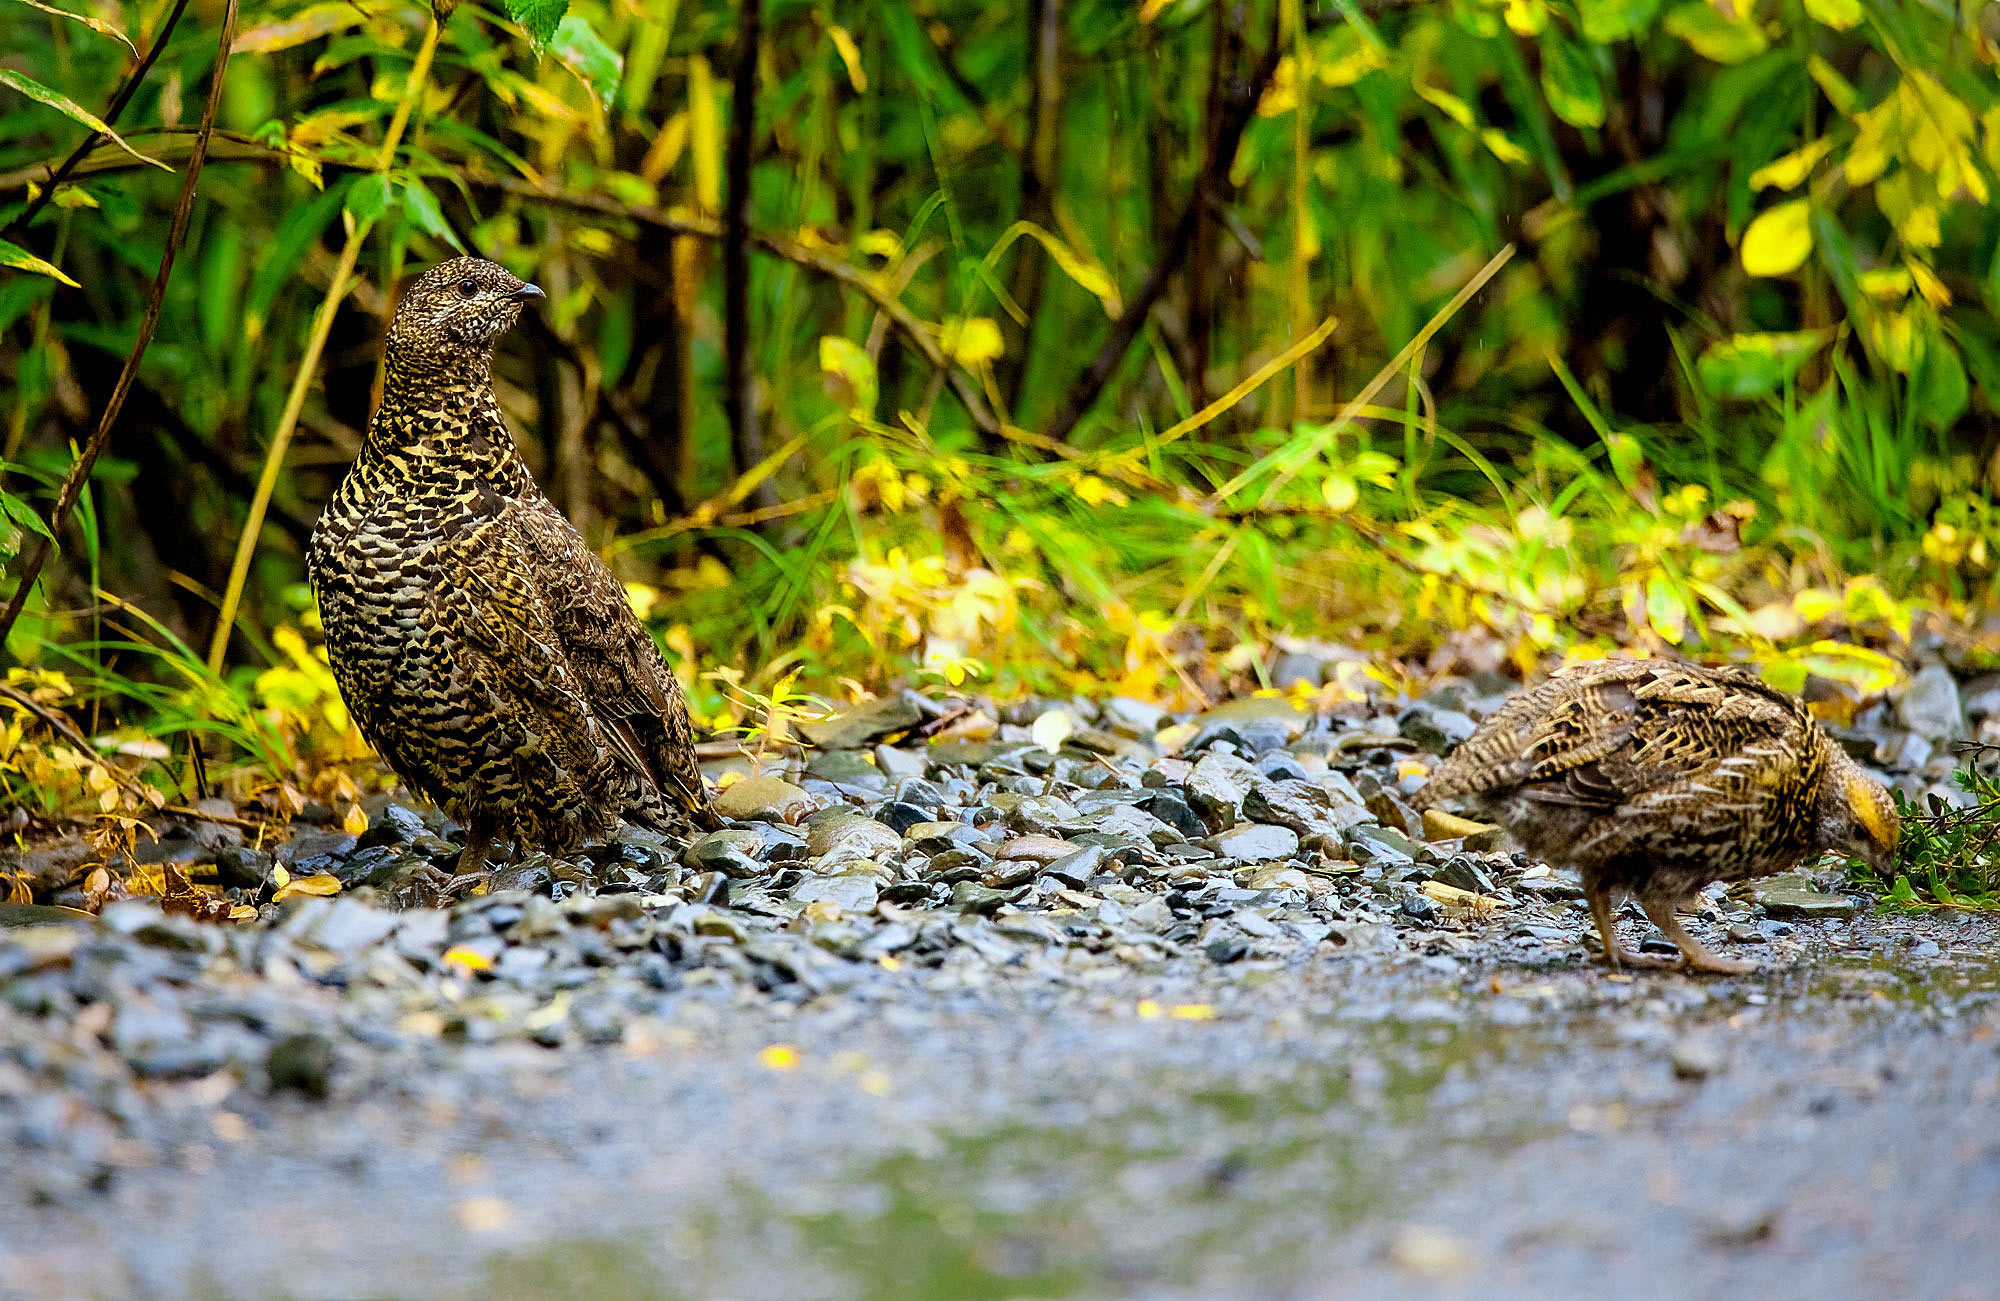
(1700, 959)
(468, 884)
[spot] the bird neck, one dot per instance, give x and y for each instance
(439, 415)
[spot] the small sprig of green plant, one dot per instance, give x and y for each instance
(1949, 856)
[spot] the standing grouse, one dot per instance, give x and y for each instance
(1654, 779)
(486, 652)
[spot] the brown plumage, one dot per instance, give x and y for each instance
(485, 651)
(1655, 779)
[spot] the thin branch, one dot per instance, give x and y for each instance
(118, 103)
(868, 283)
(72, 484)
(295, 400)
(739, 404)
(1090, 385)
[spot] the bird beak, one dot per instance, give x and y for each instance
(525, 292)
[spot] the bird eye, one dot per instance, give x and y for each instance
(468, 288)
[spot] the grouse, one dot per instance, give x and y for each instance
(1654, 779)
(485, 651)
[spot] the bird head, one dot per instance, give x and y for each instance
(1857, 817)
(457, 309)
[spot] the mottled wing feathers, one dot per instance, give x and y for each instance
(636, 695)
(1604, 734)
(489, 605)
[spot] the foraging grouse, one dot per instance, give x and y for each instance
(1654, 779)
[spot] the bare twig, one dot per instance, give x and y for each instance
(746, 435)
(118, 102)
(1215, 175)
(72, 484)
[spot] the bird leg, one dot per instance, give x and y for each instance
(1615, 953)
(473, 875)
(1696, 955)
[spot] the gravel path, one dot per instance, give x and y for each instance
(985, 1004)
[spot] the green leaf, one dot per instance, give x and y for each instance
(1715, 37)
(421, 207)
(13, 255)
(97, 25)
(1570, 82)
(849, 375)
(540, 18)
(369, 198)
(1605, 21)
(578, 45)
(61, 103)
(1754, 365)
(1939, 389)
(23, 514)
(1837, 14)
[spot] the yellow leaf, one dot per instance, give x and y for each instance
(320, 884)
(1148, 1010)
(1192, 1012)
(1052, 727)
(850, 55)
(467, 959)
(1794, 167)
(1933, 289)
(1527, 17)
(1503, 146)
(309, 24)
(971, 342)
(1447, 103)
(12, 255)
(706, 132)
(1095, 492)
(280, 877)
(779, 1057)
(1089, 277)
(1837, 14)
(356, 820)
(1340, 492)
(1890, 284)
(1778, 241)
(1349, 58)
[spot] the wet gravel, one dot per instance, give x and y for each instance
(1049, 998)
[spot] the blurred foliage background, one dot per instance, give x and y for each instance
(1069, 345)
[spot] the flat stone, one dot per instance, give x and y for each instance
(850, 894)
(1036, 849)
(1790, 896)
(350, 925)
(1255, 842)
(1175, 811)
(1133, 718)
(767, 799)
(1254, 709)
(857, 725)
(898, 764)
(942, 837)
(848, 768)
(1930, 705)
(1135, 823)
(1041, 814)
(1217, 785)
(861, 835)
(731, 851)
